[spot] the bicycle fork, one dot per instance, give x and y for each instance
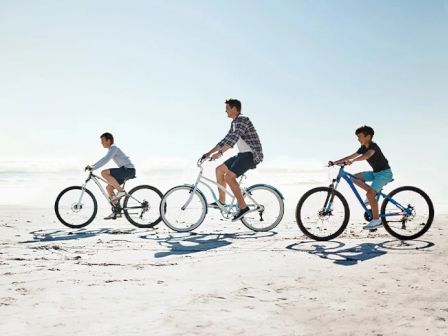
(328, 204)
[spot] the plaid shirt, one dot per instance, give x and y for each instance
(243, 128)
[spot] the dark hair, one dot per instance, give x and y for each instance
(108, 136)
(234, 103)
(366, 130)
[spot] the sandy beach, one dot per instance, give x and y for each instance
(113, 279)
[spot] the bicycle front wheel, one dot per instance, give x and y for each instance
(75, 207)
(141, 206)
(267, 208)
(322, 213)
(183, 209)
(407, 213)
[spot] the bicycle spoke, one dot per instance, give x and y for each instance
(141, 208)
(317, 219)
(75, 207)
(416, 216)
(183, 210)
(267, 209)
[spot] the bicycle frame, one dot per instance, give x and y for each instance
(97, 180)
(225, 209)
(349, 179)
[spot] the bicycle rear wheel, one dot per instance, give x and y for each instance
(318, 218)
(75, 207)
(183, 210)
(267, 208)
(141, 206)
(413, 215)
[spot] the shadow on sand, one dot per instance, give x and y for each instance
(64, 235)
(171, 243)
(337, 251)
(188, 243)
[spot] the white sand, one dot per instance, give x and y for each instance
(113, 279)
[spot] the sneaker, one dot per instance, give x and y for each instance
(113, 215)
(374, 224)
(240, 214)
(119, 195)
(215, 205)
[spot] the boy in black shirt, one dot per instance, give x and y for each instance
(380, 176)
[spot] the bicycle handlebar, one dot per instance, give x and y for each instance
(331, 164)
(202, 160)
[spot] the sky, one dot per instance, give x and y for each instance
(156, 74)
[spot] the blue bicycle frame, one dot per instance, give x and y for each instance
(349, 179)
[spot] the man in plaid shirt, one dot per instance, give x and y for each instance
(242, 133)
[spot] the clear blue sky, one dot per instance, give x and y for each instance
(156, 74)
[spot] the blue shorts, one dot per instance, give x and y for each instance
(240, 163)
(121, 174)
(379, 179)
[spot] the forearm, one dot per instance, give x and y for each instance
(213, 150)
(100, 163)
(224, 148)
(350, 157)
(361, 158)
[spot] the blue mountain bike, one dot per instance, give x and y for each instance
(322, 213)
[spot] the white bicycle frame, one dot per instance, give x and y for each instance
(225, 209)
(97, 180)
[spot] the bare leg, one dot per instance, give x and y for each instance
(221, 171)
(360, 184)
(112, 183)
(110, 191)
(371, 195)
(111, 180)
(230, 178)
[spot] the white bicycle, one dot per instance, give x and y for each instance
(183, 208)
(76, 206)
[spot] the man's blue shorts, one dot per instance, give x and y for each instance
(240, 163)
(121, 174)
(379, 179)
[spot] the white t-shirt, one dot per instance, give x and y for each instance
(243, 147)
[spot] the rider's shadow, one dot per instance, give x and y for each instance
(194, 243)
(339, 255)
(63, 235)
(359, 253)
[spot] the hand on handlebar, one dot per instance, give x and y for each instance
(216, 156)
(340, 164)
(203, 158)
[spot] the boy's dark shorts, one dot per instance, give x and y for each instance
(122, 173)
(240, 163)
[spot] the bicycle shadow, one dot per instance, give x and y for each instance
(40, 236)
(184, 244)
(349, 256)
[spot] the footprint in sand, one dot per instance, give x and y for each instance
(6, 301)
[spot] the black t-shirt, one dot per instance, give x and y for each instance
(377, 160)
